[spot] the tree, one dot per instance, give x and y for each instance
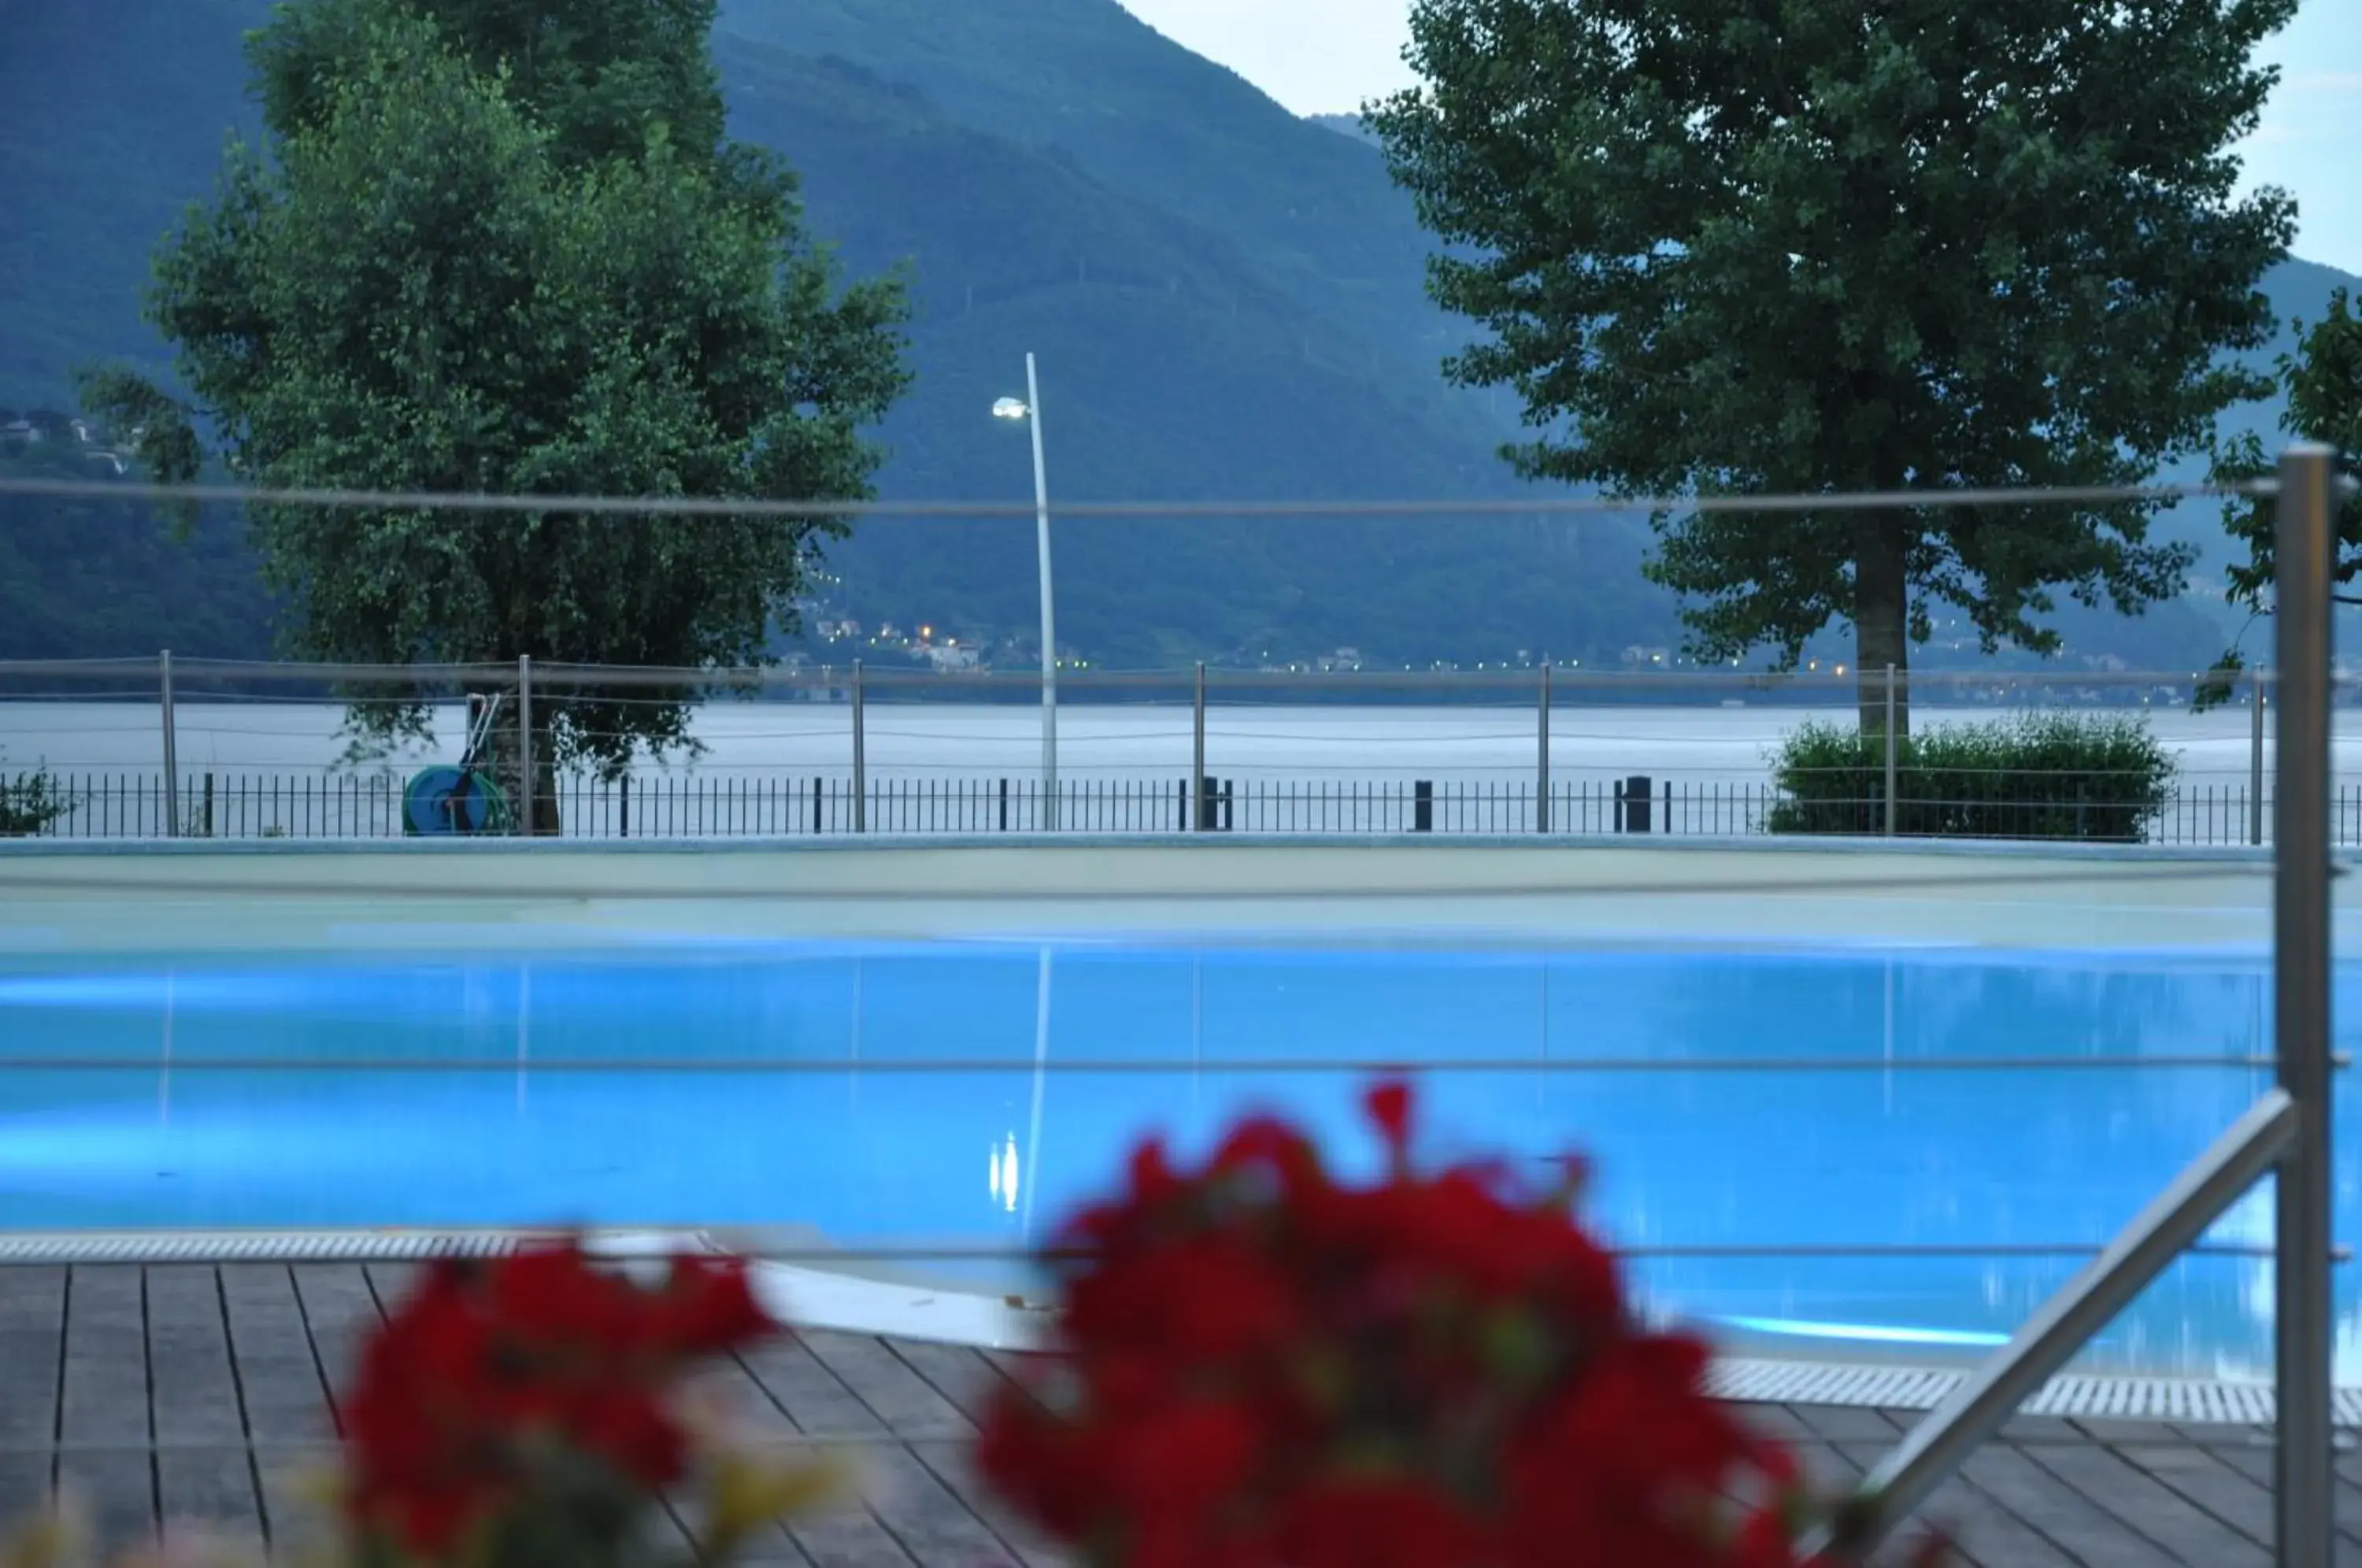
(497, 246)
(1731, 246)
(2322, 379)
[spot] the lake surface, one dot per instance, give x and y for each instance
(273, 768)
(1490, 743)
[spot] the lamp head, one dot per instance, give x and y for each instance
(1010, 408)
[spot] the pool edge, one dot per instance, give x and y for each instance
(810, 1297)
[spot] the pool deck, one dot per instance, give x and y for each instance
(190, 1393)
(523, 895)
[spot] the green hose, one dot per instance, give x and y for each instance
(442, 800)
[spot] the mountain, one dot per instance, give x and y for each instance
(1226, 300)
(1344, 125)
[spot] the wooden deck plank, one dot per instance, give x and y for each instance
(2255, 1464)
(2185, 1531)
(2085, 1531)
(292, 1521)
(32, 1340)
(213, 1489)
(104, 1390)
(2117, 1432)
(339, 1311)
(1986, 1534)
(193, 1390)
(1841, 1423)
(279, 1379)
(685, 1516)
(2244, 1503)
(189, 1392)
(923, 1515)
(1825, 1464)
(962, 1375)
(25, 1481)
(954, 1465)
(391, 1282)
(807, 1393)
(847, 1535)
(118, 1486)
(904, 1402)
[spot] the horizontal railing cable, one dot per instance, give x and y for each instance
(288, 1247)
(442, 684)
(1106, 1065)
(652, 506)
(24, 873)
(1769, 1252)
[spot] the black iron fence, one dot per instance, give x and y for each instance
(315, 805)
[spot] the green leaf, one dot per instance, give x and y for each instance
(507, 250)
(1814, 247)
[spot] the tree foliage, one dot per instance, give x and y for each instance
(2323, 380)
(496, 246)
(1803, 246)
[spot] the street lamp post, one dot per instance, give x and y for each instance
(1030, 410)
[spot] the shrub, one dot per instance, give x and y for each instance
(30, 803)
(2031, 776)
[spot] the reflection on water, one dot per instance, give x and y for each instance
(214, 1118)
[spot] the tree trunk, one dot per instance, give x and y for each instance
(1881, 612)
(507, 767)
(545, 821)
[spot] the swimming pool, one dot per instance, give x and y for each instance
(619, 1089)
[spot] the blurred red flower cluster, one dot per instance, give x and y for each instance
(1267, 1367)
(537, 1381)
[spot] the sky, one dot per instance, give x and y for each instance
(1317, 56)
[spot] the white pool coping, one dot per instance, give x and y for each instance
(800, 1293)
(189, 896)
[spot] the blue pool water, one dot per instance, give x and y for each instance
(229, 1098)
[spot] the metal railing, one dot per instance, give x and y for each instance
(2285, 1132)
(229, 804)
(826, 750)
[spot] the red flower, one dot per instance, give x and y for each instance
(1389, 1106)
(1182, 1460)
(709, 1308)
(1270, 1370)
(486, 1370)
(1395, 1522)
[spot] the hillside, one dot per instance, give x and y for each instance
(1226, 301)
(1344, 125)
(1087, 81)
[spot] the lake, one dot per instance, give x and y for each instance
(797, 756)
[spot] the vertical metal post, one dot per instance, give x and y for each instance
(1049, 619)
(171, 746)
(525, 743)
(2305, 530)
(860, 758)
(1542, 757)
(1198, 753)
(2256, 758)
(1891, 743)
